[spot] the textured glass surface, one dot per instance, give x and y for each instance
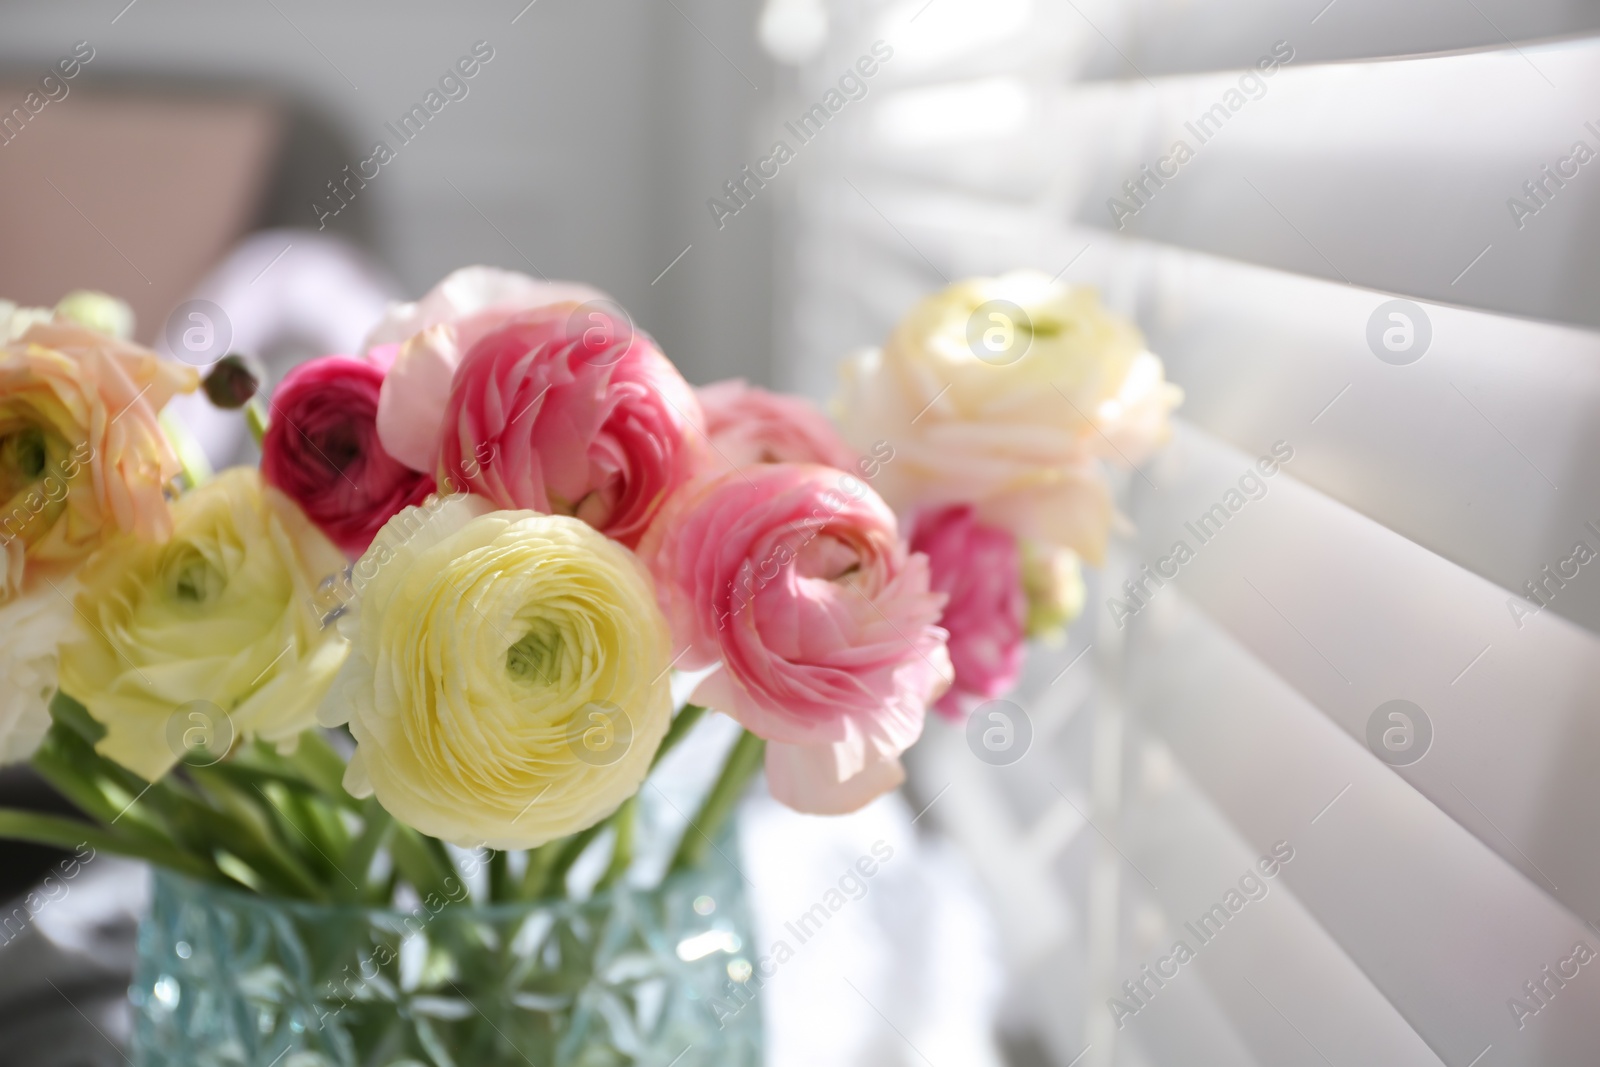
(627, 977)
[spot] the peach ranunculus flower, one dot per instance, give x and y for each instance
(1008, 393)
(221, 613)
(509, 676)
(82, 455)
(747, 424)
(430, 337)
(794, 576)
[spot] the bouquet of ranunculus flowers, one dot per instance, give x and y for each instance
(449, 605)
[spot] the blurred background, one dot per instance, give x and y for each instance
(1418, 546)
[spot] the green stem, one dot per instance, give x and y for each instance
(541, 861)
(255, 417)
(251, 829)
(70, 833)
(554, 881)
(744, 759)
(622, 850)
(321, 763)
(420, 865)
(358, 861)
(82, 788)
(499, 877)
(681, 725)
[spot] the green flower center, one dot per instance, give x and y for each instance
(190, 578)
(537, 656)
(24, 455)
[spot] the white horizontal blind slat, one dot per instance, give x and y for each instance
(1271, 956)
(1352, 616)
(1159, 37)
(1444, 927)
(1396, 175)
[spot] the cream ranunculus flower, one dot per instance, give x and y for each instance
(222, 612)
(34, 626)
(508, 681)
(16, 319)
(1007, 393)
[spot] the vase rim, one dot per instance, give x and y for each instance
(609, 896)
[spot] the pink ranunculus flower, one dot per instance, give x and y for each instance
(572, 416)
(749, 425)
(434, 333)
(980, 569)
(795, 577)
(322, 451)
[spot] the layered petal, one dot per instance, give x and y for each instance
(794, 577)
(574, 416)
(322, 450)
(509, 676)
(429, 338)
(1008, 394)
(220, 613)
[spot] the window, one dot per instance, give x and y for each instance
(1375, 670)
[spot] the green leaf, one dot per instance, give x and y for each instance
(75, 717)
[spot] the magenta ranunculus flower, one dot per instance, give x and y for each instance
(574, 416)
(749, 425)
(979, 568)
(795, 577)
(322, 450)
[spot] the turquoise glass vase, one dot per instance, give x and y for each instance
(228, 979)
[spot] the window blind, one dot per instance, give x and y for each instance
(1420, 544)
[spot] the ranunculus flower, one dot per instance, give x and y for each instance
(322, 450)
(978, 568)
(221, 612)
(749, 425)
(34, 626)
(1011, 413)
(82, 455)
(432, 336)
(509, 678)
(17, 319)
(551, 415)
(795, 577)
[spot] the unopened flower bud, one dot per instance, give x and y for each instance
(1052, 578)
(233, 380)
(98, 311)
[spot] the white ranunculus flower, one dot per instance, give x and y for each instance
(33, 626)
(1008, 393)
(16, 319)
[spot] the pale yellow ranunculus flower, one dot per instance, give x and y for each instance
(221, 613)
(509, 678)
(1008, 393)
